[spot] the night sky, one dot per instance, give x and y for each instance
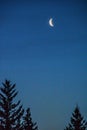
(48, 64)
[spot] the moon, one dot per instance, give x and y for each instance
(51, 22)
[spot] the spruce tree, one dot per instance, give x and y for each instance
(77, 121)
(10, 112)
(27, 121)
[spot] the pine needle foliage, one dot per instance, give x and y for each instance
(28, 123)
(77, 121)
(10, 112)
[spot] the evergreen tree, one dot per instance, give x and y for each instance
(28, 124)
(10, 112)
(19, 125)
(77, 122)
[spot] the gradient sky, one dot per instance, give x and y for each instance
(48, 65)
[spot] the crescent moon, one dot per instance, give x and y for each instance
(51, 22)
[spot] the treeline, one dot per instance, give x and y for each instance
(14, 117)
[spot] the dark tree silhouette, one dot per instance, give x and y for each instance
(28, 124)
(19, 125)
(10, 112)
(77, 122)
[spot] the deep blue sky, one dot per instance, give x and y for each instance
(48, 65)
